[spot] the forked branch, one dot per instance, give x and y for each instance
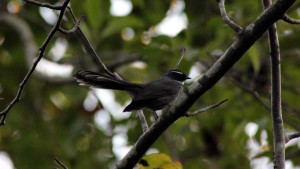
(226, 19)
(89, 48)
(75, 27)
(55, 28)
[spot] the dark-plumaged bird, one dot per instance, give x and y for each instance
(154, 95)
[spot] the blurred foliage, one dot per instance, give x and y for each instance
(38, 129)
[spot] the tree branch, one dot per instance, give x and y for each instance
(244, 40)
(143, 120)
(4, 113)
(75, 27)
(277, 121)
(30, 47)
(60, 163)
(119, 61)
(260, 100)
(287, 19)
(89, 48)
(180, 58)
(226, 19)
(291, 137)
(47, 5)
(205, 109)
(250, 91)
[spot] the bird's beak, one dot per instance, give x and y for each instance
(188, 78)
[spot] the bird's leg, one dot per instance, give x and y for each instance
(155, 115)
(143, 120)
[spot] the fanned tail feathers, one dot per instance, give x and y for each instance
(97, 80)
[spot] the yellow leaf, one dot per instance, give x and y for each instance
(158, 161)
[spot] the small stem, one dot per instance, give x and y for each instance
(291, 137)
(60, 163)
(226, 19)
(290, 20)
(47, 5)
(75, 27)
(180, 58)
(205, 109)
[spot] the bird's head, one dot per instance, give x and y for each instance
(176, 75)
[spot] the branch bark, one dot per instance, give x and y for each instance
(205, 109)
(244, 40)
(290, 20)
(291, 137)
(89, 48)
(277, 122)
(60, 163)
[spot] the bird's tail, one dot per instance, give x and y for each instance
(97, 80)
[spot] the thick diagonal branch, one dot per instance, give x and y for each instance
(242, 43)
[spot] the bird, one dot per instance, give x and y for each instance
(154, 95)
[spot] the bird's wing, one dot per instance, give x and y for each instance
(158, 89)
(155, 95)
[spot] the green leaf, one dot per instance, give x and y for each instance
(116, 25)
(96, 11)
(254, 57)
(139, 3)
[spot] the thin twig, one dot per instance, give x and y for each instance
(42, 4)
(291, 137)
(261, 100)
(205, 109)
(171, 144)
(250, 91)
(290, 20)
(227, 20)
(143, 120)
(276, 112)
(90, 48)
(60, 163)
(122, 60)
(181, 56)
(155, 115)
(75, 27)
(4, 113)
